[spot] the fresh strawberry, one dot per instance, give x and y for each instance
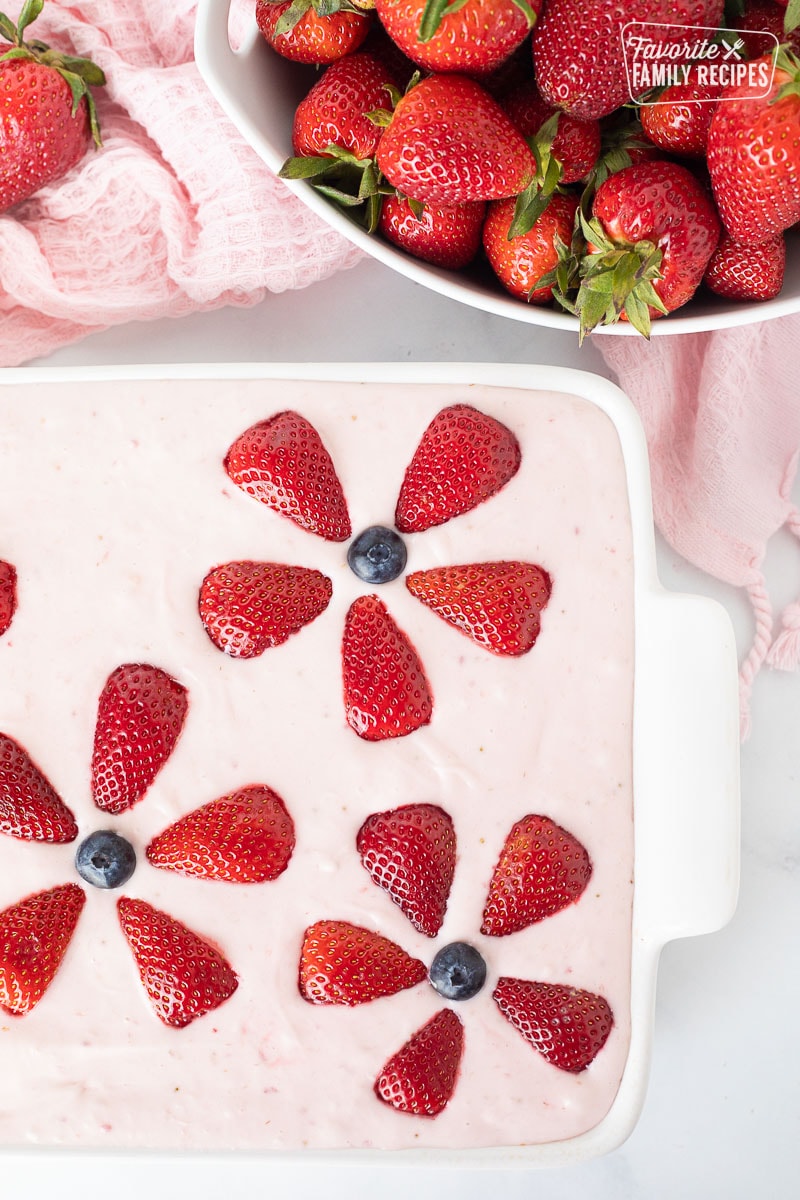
(8, 595)
(761, 28)
(497, 604)
(542, 868)
(449, 142)
(473, 36)
(681, 117)
(410, 852)
(245, 837)
(575, 144)
(247, 607)
(577, 47)
(463, 458)
(140, 716)
(521, 262)
(30, 807)
(445, 235)
(421, 1077)
(334, 113)
(386, 694)
(183, 974)
(746, 272)
(345, 964)
(283, 463)
(312, 31)
(34, 936)
(47, 112)
(568, 1026)
(754, 155)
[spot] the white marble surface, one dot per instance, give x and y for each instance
(722, 1117)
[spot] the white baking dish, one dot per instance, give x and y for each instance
(685, 768)
(260, 91)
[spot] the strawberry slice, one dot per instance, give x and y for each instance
(497, 604)
(410, 852)
(542, 868)
(8, 594)
(34, 936)
(247, 607)
(568, 1026)
(345, 964)
(30, 807)
(464, 457)
(245, 837)
(386, 694)
(183, 974)
(283, 463)
(421, 1077)
(140, 716)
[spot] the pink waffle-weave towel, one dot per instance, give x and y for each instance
(175, 214)
(721, 412)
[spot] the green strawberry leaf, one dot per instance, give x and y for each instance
(287, 20)
(8, 29)
(792, 17)
(88, 71)
(526, 11)
(337, 195)
(17, 52)
(30, 11)
(306, 167)
(432, 15)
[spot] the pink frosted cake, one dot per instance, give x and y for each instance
(316, 822)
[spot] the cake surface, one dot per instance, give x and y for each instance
(114, 507)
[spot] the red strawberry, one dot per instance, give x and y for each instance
(746, 272)
(569, 1027)
(47, 112)
(464, 457)
(542, 868)
(410, 852)
(754, 155)
(386, 694)
(474, 36)
(8, 595)
(34, 936)
(334, 111)
(447, 236)
(680, 119)
(140, 716)
(577, 47)
(247, 607)
(421, 1077)
(344, 964)
(576, 144)
(183, 974)
(449, 142)
(283, 463)
(497, 604)
(758, 21)
(521, 262)
(30, 807)
(299, 31)
(245, 837)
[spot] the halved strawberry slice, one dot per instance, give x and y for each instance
(342, 963)
(140, 716)
(34, 936)
(386, 694)
(245, 837)
(421, 1077)
(410, 852)
(464, 457)
(568, 1026)
(183, 974)
(30, 807)
(283, 463)
(497, 604)
(542, 868)
(8, 594)
(247, 607)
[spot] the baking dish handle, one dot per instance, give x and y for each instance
(686, 773)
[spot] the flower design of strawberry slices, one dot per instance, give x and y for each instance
(244, 837)
(410, 853)
(464, 457)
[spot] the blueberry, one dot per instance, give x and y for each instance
(458, 971)
(377, 555)
(105, 859)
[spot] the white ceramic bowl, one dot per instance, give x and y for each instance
(260, 92)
